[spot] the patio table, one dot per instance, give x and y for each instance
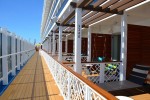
(118, 85)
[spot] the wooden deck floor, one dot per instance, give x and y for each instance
(34, 82)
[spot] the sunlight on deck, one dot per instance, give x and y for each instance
(34, 82)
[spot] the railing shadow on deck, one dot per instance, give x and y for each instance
(72, 85)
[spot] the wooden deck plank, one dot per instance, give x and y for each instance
(34, 82)
(6, 94)
(28, 91)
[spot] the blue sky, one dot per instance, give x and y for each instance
(22, 17)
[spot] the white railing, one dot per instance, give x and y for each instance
(101, 72)
(68, 58)
(72, 85)
(69, 54)
(9, 59)
(84, 58)
(27, 52)
(71, 58)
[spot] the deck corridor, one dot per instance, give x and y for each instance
(34, 82)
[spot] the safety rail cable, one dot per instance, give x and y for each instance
(15, 53)
(72, 85)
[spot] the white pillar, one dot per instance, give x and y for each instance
(102, 73)
(78, 25)
(60, 44)
(49, 44)
(89, 44)
(13, 45)
(66, 45)
(57, 45)
(4, 60)
(18, 55)
(46, 44)
(54, 44)
(123, 47)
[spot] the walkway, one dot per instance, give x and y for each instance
(34, 82)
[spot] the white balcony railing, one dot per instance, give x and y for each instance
(72, 85)
(70, 58)
(99, 72)
(8, 60)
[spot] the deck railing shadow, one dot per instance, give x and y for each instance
(72, 85)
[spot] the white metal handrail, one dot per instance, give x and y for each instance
(11, 57)
(72, 85)
(15, 53)
(65, 57)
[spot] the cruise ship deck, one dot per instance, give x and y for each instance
(34, 82)
(89, 50)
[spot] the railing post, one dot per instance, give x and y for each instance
(87, 93)
(5, 59)
(13, 56)
(102, 72)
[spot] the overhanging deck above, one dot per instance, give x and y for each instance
(94, 11)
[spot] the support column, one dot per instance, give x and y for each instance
(57, 45)
(78, 25)
(123, 47)
(89, 45)
(54, 45)
(18, 55)
(60, 44)
(13, 56)
(4, 60)
(46, 45)
(49, 44)
(66, 45)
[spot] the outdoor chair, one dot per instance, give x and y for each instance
(139, 74)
